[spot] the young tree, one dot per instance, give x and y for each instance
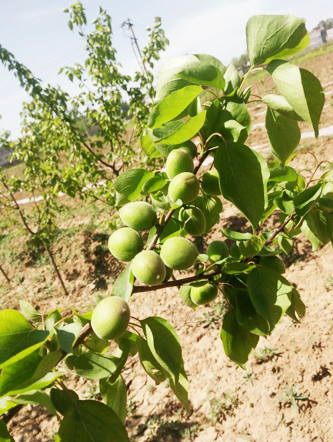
(171, 205)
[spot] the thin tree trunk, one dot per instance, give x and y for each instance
(56, 269)
(4, 274)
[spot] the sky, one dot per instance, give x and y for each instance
(36, 32)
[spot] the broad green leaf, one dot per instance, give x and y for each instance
(167, 80)
(234, 267)
(91, 421)
(285, 203)
(114, 396)
(243, 179)
(232, 79)
(285, 243)
(4, 435)
(233, 131)
(202, 74)
(238, 111)
(185, 295)
(296, 311)
(164, 344)
(305, 200)
(124, 347)
(176, 132)
(282, 174)
(237, 341)
(247, 316)
(63, 400)
(301, 89)
(30, 373)
(172, 105)
(283, 134)
(165, 149)
(123, 285)
(251, 247)
(270, 294)
(92, 366)
(6, 403)
(67, 335)
(156, 183)
(96, 344)
(279, 104)
(149, 363)
(236, 236)
(17, 337)
(314, 227)
(37, 397)
(209, 59)
(180, 389)
(274, 36)
(30, 312)
(52, 318)
(130, 183)
(148, 147)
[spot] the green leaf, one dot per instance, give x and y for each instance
(165, 149)
(251, 247)
(6, 403)
(115, 396)
(232, 79)
(234, 267)
(283, 134)
(270, 294)
(37, 397)
(129, 184)
(180, 389)
(30, 373)
(233, 131)
(67, 335)
(91, 421)
(238, 111)
(285, 243)
(243, 179)
(203, 74)
(237, 341)
(171, 106)
(149, 363)
(63, 400)
(29, 312)
(123, 286)
(283, 174)
(247, 316)
(155, 184)
(236, 236)
(185, 295)
(175, 132)
(297, 306)
(274, 36)
(301, 89)
(305, 200)
(164, 344)
(209, 59)
(4, 435)
(314, 227)
(92, 366)
(279, 104)
(17, 337)
(148, 147)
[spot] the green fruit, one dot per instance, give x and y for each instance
(149, 268)
(274, 263)
(178, 161)
(194, 219)
(217, 250)
(110, 318)
(138, 215)
(210, 183)
(125, 243)
(179, 253)
(168, 273)
(204, 293)
(185, 187)
(251, 247)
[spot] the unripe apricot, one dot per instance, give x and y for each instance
(138, 215)
(110, 318)
(125, 243)
(178, 161)
(179, 253)
(210, 183)
(204, 293)
(185, 187)
(149, 268)
(217, 250)
(194, 219)
(273, 262)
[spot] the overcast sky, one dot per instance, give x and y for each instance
(36, 32)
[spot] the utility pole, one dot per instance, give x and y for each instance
(129, 25)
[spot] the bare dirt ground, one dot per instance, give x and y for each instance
(286, 394)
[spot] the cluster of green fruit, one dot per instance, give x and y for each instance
(111, 317)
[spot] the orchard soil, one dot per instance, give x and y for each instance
(228, 403)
